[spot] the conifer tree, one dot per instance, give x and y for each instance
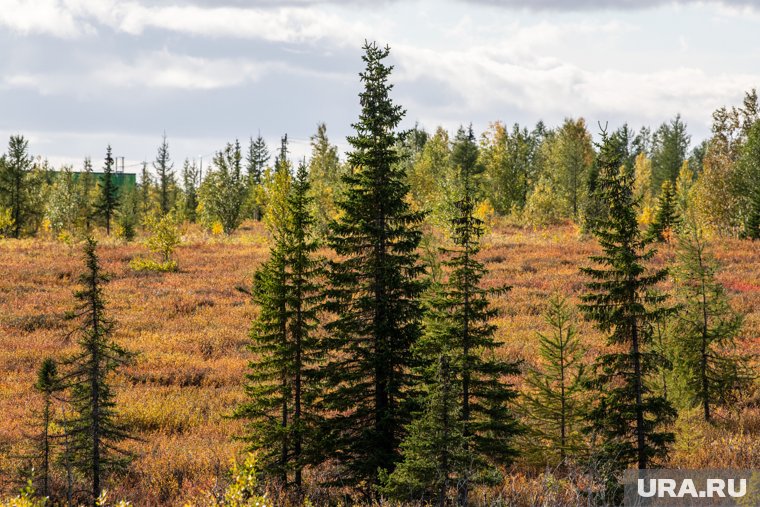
(435, 456)
(165, 171)
(256, 161)
(282, 384)
(613, 152)
(324, 177)
(374, 291)
(705, 328)
(554, 402)
(16, 184)
(109, 192)
(47, 384)
(223, 191)
(86, 185)
(666, 215)
(94, 431)
(146, 191)
(457, 354)
(621, 301)
(190, 180)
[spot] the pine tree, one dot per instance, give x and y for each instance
(109, 192)
(554, 402)
(94, 430)
(374, 290)
(16, 183)
(48, 384)
(666, 215)
(705, 327)
(282, 384)
(165, 171)
(622, 302)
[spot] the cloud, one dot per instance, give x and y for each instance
(296, 22)
(595, 5)
(49, 17)
(487, 81)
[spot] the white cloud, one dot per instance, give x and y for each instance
(50, 17)
(72, 18)
(165, 70)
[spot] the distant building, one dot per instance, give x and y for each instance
(123, 181)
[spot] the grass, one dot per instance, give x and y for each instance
(190, 329)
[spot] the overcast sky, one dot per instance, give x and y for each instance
(79, 74)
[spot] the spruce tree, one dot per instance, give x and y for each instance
(282, 384)
(109, 192)
(324, 177)
(16, 183)
(165, 171)
(190, 180)
(666, 214)
(47, 384)
(94, 431)
(705, 328)
(457, 354)
(223, 190)
(86, 184)
(554, 403)
(374, 291)
(622, 302)
(435, 455)
(146, 191)
(256, 161)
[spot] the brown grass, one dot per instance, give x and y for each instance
(190, 330)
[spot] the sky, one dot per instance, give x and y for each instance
(77, 75)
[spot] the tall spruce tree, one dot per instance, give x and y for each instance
(705, 328)
(554, 402)
(282, 385)
(621, 301)
(16, 183)
(223, 190)
(670, 144)
(375, 287)
(94, 431)
(109, 193)
(165, 171)
(460, 335)
(666, 214)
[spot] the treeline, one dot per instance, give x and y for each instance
(535, 176)
(375, 372)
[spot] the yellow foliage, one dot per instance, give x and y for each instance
(6, 221)
(646, 216)
(217, 229)
(485, 212)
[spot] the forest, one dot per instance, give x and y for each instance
(511, 317)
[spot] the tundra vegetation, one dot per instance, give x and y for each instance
(510, 318)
